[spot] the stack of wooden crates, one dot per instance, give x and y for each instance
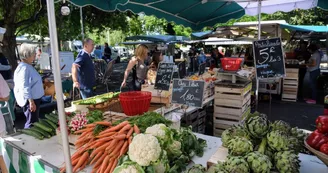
(231, 104)
(290, 85)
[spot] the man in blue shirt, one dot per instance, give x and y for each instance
(83, 72)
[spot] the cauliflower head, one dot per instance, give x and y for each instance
(144, 149)
(128, 167)
(158, 130)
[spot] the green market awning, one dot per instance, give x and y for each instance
(158, 38)
(305, 28)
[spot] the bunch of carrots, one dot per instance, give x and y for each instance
(103, 150)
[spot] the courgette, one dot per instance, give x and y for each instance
(53, 125)
(32, 133)
(43, 127)
(49, 117)
(45, 123)
(43, 132)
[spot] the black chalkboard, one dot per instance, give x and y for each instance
(188, 92)
(202, 69)
(182, 69)
(164, 76)
(269, 58)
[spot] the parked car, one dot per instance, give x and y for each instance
(115, 55)
(122, 51)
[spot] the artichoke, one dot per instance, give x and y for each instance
(257, 126)
(217, 168)
(196, 169)
(236, 164)
(239, 146)
(278, 141)
(281, 126)
(287, 162)
(299, 134)
(259, 163)
(235, 130)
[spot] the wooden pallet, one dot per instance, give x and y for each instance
(292, 97)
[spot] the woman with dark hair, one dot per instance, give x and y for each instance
(151, 74)
(313, 68)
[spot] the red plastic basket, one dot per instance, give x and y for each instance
(231, 64)
(135, 102)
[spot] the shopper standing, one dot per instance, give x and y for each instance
(139, 68)
(107, 53)
(314, 69)
(28, 87)
(83, 71)
(4, 96)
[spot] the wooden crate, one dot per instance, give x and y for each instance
(289, 97)
(162, 100)
(219, 156)
(290, 85)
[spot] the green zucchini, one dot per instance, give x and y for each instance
(51, 118)
(43, 127)
(32, 133)
(42, 132)
(53, 125)
(45, 123)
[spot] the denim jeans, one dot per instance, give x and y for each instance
(313, 82)
(31, 117)
(86, 93)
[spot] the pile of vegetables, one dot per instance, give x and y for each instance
(45, 128)
(259, 146)
(160, 150)
(101, 145)
(97, 99)
(319, 138)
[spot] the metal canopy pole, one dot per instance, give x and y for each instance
(58, 84)
(259, 38)
(82, 27)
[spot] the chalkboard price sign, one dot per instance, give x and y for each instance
(202, 69)
(188, 92)
(269, 58)
(164, 76)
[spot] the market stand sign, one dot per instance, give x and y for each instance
(188, 92)
(164, 76)
(269, 58)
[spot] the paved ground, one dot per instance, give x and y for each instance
(297, 114)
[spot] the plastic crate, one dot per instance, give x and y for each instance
(231, 64)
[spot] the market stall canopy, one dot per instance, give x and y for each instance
(200, 13)
(137, 42)
(305, 28)
(159, 38)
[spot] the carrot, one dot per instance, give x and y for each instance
(105, 139)
(82, 130)
(109, 166)
(81, 161)
(117, 148)
(114, 165)
(99, 149)
(90, 125)
(104, 123)
(113, 142)
(104, 164)
(119, 126)
(106, 135)
(125, 147)
(100, 160)
(94, 159)
(130, 132)
(75, 161)
(130, 140)
(136, 129)
(120, 137)
(84, 134)
(76, 154)
(84, 165)
(63, 169)
(125, 128)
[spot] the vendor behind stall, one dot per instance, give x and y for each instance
(302, 54)
(4, 96)
(313, 68)
(152, 72)
(137, 64)
(28, 87)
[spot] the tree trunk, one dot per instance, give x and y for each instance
(9, 45)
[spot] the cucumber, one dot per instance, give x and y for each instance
(45, 123)
(55, 117)
(49, 117)
(43, 127)
(53, 125)
(44, 133)
(32, 133)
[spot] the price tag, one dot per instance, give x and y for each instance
(164, 76)
(269, 58)
(188, 92)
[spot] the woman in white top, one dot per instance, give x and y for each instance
(4, 96)
(313, 68)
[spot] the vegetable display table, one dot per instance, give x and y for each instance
(22, 153)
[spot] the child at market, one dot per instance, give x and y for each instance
(4, 96)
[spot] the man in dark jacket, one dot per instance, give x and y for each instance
(107, 53)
